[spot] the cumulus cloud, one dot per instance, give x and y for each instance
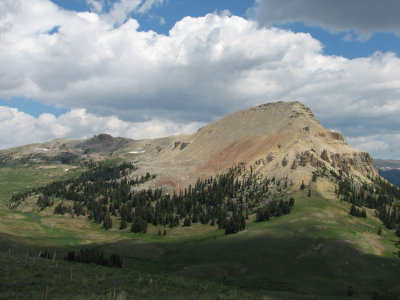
(205, 68)
(121, 9)
(22, 128)
(385, 146)
(148, 4)
(363, 16)
(95, 5)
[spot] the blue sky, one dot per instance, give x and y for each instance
(60, 76)
(174, 10)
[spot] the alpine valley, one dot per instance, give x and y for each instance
(264, 203)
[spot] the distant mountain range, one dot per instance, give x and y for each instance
(389, 169)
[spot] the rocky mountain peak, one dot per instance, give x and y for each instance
(281, 140)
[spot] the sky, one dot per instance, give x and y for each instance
(153, 68)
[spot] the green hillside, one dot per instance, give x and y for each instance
(317, 251)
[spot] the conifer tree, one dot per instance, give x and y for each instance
(107, 223)
(302, 186)
(123, 224)
(379, 230)
(398, 230)
(187, 221)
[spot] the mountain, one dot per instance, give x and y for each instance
(264, 203)
(389, 169)
(63, 150)
(281, 140)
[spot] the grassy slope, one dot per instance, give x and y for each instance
(20, 178)
(303, 252)
(38, 278)
(44, 229)
(316, 250)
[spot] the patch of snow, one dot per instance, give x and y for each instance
(41, 149)
(136, 152)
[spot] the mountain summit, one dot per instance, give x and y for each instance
(281, 140)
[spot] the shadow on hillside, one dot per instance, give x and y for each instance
(262, 263)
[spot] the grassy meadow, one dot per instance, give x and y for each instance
(317, 251)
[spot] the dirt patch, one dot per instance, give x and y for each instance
(16, 216)
(48, 167)
(299, 219)
(66, 222)
(326, 189)
(367, 242)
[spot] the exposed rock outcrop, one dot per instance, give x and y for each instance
(281, 140)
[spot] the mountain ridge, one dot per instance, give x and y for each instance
(281, 139)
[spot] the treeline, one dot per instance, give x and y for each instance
(358, 212)
(105, 192)
(44, 201)
(274, 209)
(381, 196)
(89, 256)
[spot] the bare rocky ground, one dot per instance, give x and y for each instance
(281, 140)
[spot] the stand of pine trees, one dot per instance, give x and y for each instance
(89, 256)
(105, 192)
(381, 196)
(274, 209)
(358, 212)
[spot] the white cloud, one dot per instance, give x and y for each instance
(205, 68)
(148, 4)
(363, 16)
(384, 146)
(348, 37)
(22, 128)
(121, 9)
(95, 5)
